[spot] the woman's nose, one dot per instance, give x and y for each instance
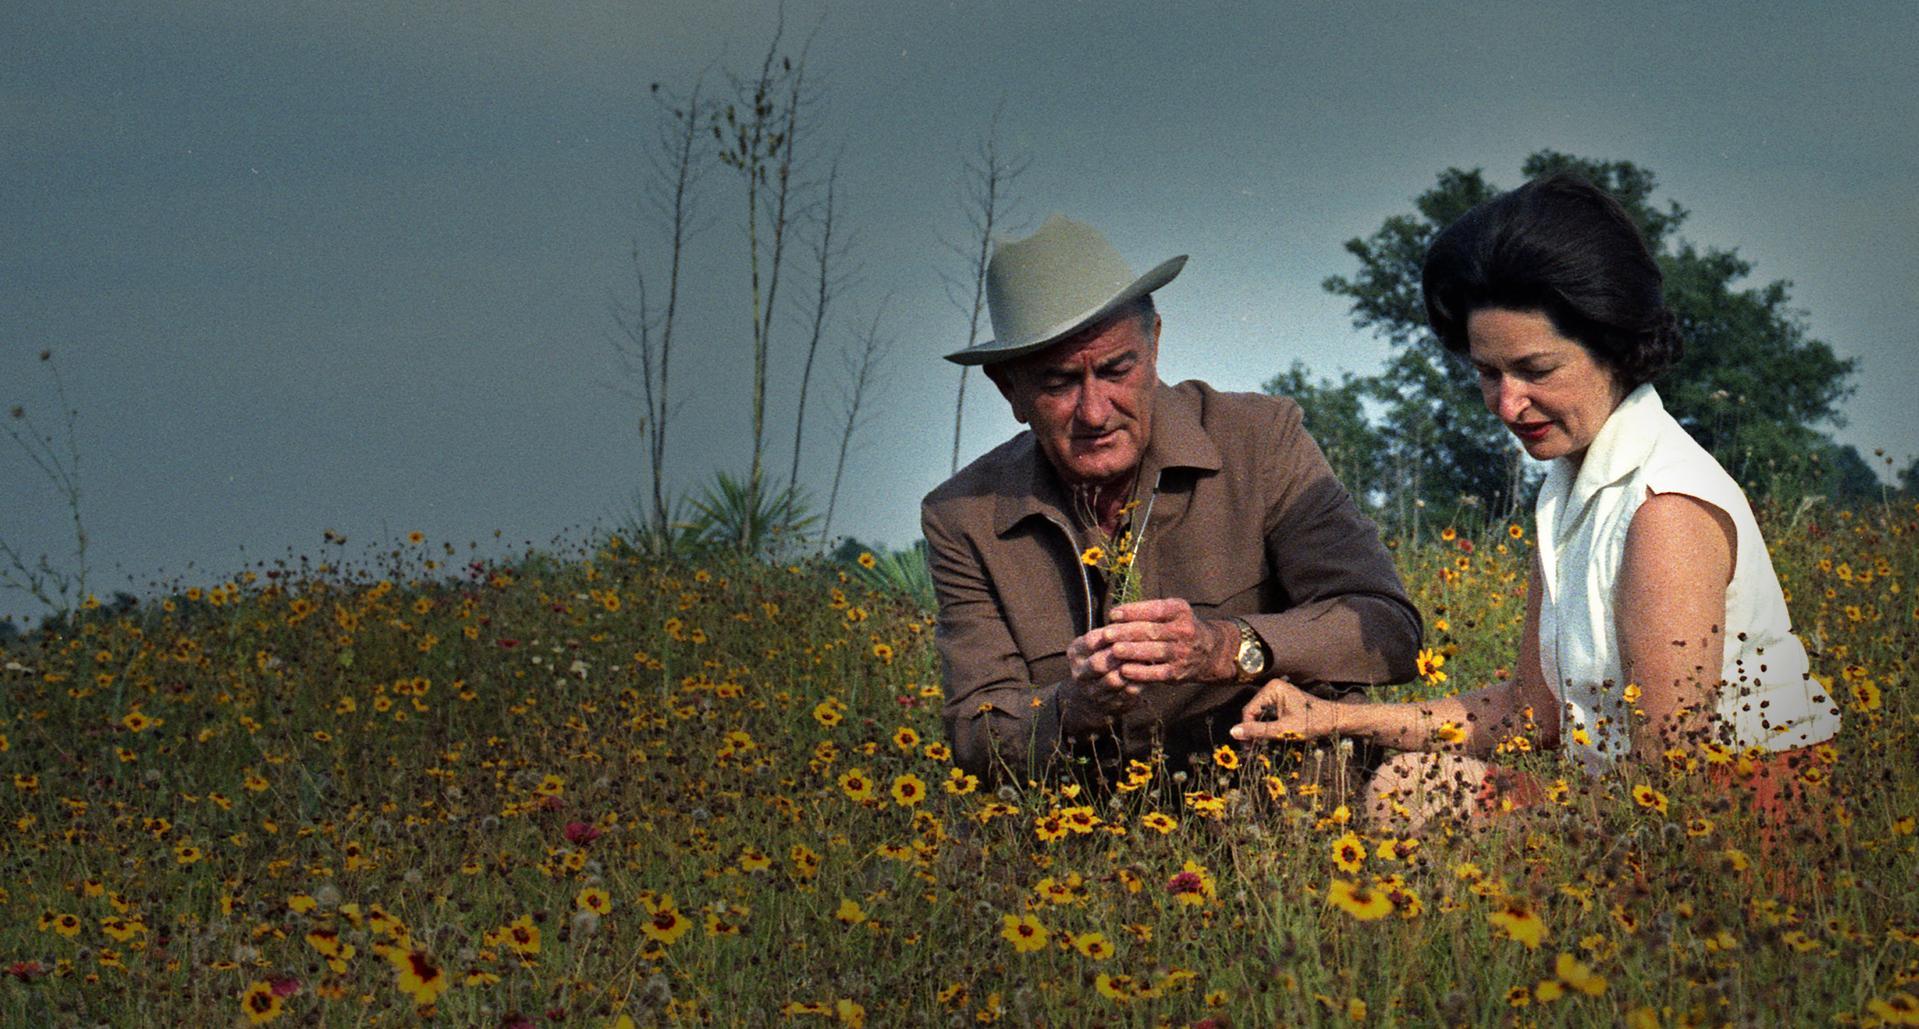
(1512, 401)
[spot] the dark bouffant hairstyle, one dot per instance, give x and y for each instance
(1563, 247)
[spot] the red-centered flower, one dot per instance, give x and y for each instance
(582, 832)
(1184, 882)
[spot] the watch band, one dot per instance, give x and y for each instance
(1249, 638)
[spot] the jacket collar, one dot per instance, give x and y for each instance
(1179, 440)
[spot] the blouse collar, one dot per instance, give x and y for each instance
(1623, 444)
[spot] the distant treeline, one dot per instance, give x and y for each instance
(1415, 443)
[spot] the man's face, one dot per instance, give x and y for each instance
(1089, 398)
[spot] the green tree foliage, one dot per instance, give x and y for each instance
(1753, 386)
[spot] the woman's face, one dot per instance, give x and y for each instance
(1547, 389)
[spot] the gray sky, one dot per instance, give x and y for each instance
(350, 266)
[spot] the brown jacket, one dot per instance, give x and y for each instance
(1246, 519)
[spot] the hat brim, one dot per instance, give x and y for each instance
(993, 351)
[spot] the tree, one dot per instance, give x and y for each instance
(1335, 416)
(644, 345)
(1753, 386)
(1841, 472)
(59, 587)
(828, 255)
(987, 187)
(757, 132)
(862, 362)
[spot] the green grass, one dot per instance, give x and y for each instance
(413, 763)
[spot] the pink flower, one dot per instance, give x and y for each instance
(582, 832)
(284, 986)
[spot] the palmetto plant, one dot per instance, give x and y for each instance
(750, 517)
(904, 572)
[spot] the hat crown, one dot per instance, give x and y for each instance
(1051, 278)
(1053, 283)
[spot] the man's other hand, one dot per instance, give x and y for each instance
(1097, 694)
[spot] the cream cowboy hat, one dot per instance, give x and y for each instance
(1053, 283)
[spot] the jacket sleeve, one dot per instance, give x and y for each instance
(1347, 617)
(999, 723)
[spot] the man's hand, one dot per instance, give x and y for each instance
(1149, 641)
(1152, 641)
(1282, 711)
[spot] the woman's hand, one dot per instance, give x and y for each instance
(1282, 711)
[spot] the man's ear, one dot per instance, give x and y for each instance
(1002, 377)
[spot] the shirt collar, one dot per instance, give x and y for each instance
(1623, 444)
(1179, 440)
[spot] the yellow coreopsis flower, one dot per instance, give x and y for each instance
(597, 900)
(1362, 902)
(908, 790)
(1349, 852)
(1024, 932)
(1649, 798)
(1094, 945)
(417, 975)
(664, 922)
(1520, 924)
(850, 912)
(260, 1004)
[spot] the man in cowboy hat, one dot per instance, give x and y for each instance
(1255, 561)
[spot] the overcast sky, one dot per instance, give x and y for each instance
(351, 266)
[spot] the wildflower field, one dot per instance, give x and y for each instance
(588, 787)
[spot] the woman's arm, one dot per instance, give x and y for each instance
(1475, 722)
(1670, 614)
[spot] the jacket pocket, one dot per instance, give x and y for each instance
(1242, 595)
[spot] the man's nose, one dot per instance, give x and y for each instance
(1093, 406)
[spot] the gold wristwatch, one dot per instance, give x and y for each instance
(1250, 660)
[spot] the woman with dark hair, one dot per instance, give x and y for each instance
(1654, 619)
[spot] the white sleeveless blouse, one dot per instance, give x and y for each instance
(1767, 694)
